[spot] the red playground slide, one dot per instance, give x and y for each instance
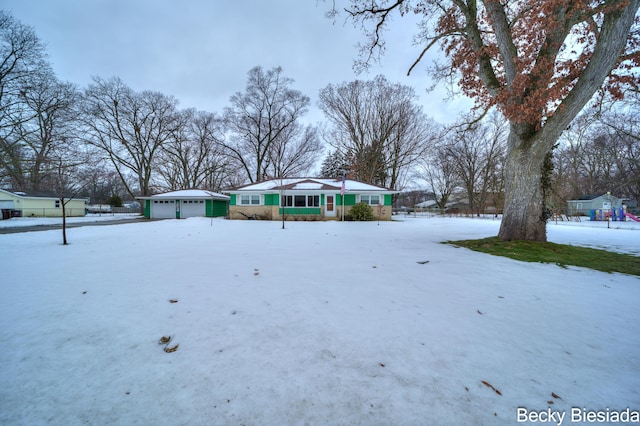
(632, 217)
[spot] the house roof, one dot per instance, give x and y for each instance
(308, 184)
(37, 195)
(187, 194)
(590, 197)
(426, 204)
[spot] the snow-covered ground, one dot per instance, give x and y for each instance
(320, 323)
(20, 222)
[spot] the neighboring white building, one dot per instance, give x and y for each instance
(585, 204)
(40, 205)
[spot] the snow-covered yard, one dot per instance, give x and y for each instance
(321, 323)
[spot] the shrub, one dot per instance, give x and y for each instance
(361, 212)
(115, 201)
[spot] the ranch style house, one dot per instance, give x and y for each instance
(307, 199)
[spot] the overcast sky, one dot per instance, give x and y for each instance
(201, 50)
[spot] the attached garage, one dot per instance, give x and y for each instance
(186, 203)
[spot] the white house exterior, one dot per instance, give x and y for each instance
(34, 205)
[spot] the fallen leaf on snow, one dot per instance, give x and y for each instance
(173, 349)
(490, 386)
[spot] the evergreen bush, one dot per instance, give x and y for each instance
(115, 201)
(361, 212)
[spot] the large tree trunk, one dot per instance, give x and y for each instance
(523, 217)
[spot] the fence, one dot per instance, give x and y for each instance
(49, 212)
(449, 212)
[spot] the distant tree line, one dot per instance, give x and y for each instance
(108, 139)
(599, 153)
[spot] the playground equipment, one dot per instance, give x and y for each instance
(632, 217)
(615, 214)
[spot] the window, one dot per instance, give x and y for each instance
(372, 200)
(253, 200)
(300, 201)
(287, 201)
(57, 204)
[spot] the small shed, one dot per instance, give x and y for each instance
(39, 204)
(185, 203)
(586, 203)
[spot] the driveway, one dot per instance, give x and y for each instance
(17, 229)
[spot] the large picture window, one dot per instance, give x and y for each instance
(372, 200)
(300, 201)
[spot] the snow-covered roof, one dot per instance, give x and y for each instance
(426, 204)
(308, 184)
(188, 194)
(36, 195)
(591, 197)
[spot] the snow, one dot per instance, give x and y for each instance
(304, 183)
(319, 323)
(308, 185)
(19, 222)
(189, 193)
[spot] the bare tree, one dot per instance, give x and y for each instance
(102, 182)
(439, 171)
(46, 134)
(265, 136)
(22, 58)
(569, 158)
(35, 109)
(66, 167)
(477, 154)
(193, 157)
(378, 127)
(129, 127)
(600, 153)
(295, 152)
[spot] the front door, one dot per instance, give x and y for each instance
(330, 206)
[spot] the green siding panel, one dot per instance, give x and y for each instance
(147, 208)
(220, 208)
(388, 199)
(216, 208)
(301, 211)
(271, 199)
(349, 199)
(232, 201)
